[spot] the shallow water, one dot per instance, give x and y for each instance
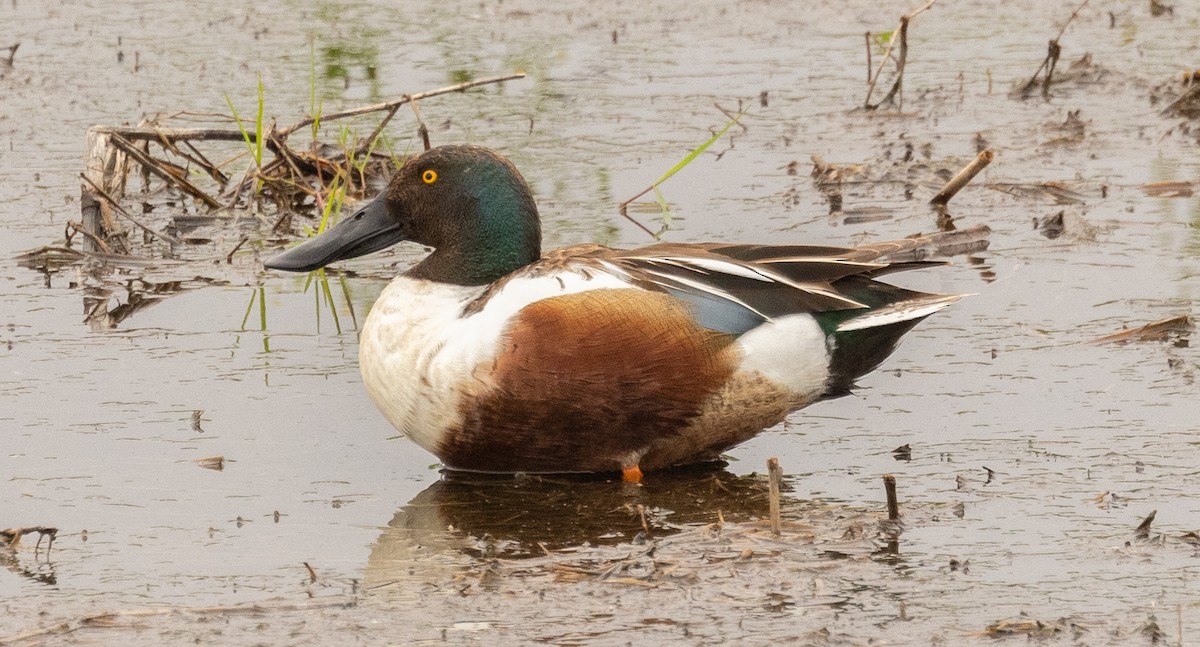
(1055, 448)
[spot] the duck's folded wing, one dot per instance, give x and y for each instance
(735, 288)
(731, 295)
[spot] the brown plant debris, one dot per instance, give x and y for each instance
(1028, 627)
(1161, 330)
(1143, 529)
(216, 463)
(129, 618)
(298, 180)
(11, 537)
(1052, 191)
(1170, 189)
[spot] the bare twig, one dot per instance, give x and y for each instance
(229, 256)
(388, 105)
(1071, 19)
(172, 134)
(171, 240)
(898, 84)
(963, 177)
(867, 37)
(154, 167)
(898, 35)
(1054, 50)
(197, 157)
(422, 129)
(234, 135)
(73, 226)
(370, 140)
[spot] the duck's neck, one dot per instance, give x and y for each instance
(504, 234)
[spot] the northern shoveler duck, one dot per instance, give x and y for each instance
(589, 359)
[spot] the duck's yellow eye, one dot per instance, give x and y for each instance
(429, 176)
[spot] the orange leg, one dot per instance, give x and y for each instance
(631, 474)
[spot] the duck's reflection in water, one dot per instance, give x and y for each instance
(464, 520)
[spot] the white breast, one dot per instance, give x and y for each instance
(417, 352)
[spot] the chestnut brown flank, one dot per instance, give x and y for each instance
(584, 381)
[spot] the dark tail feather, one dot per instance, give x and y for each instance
(863, 338)
(858, 352)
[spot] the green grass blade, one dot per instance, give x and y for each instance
(666, 209)
(262, 308)
(337, 324)
(700, 149)
(333, 203)
(262, 314)
(249, 307)
(349, 301)
(240, 125)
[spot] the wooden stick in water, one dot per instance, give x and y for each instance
(963, 178)
(774, 483)
(893, 505)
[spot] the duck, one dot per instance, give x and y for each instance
(496, 357)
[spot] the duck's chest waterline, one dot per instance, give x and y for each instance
(414, 352)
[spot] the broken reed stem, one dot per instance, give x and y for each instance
(893, 505)
(898, 85)
(963, 177)
(170, 240)
(897, 33)
(1143, 529)
(1052, 53)
(774, 484)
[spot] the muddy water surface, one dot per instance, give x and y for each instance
(1034, 454)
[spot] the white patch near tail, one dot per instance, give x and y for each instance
(790, 351)
(897, 312)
